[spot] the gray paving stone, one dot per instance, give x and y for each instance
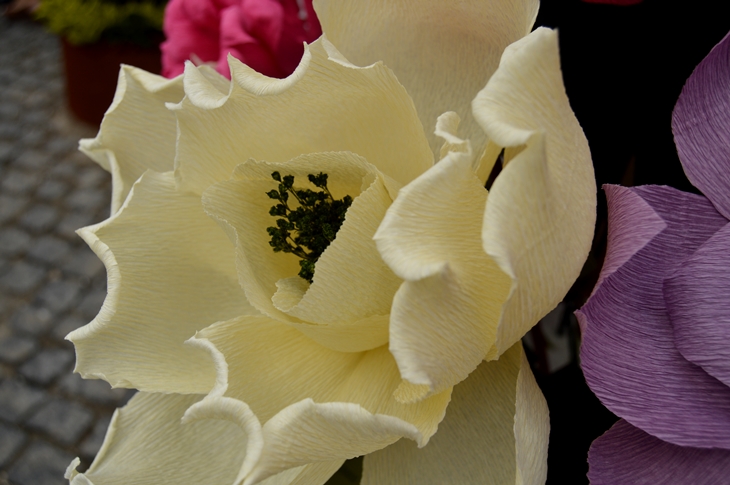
(93, 176)
(4, 305)
(59, 296)
(13, 241)
(47, 365)
(10, 132)
(94, 390)
(17, 182)
(62, 420)
(7, 150)
(86, 199)
(91, 445)
(34, 119)
(31, 320)
(14, 349)
(40, 218)
(18, 399)
(67, 169)
(91, 304)
(84, 262)
(68, 325)
(61, 146)
(15, 94)
(9, 110)
(31, 160)
(49, 249)
(55, 85)
(22, 277)
(52, 190)
(36, 100)
(75, 220)
(33, 138)
(12, 440)
(10, 206)
(40, 464)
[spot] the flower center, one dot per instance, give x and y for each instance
(308, 229)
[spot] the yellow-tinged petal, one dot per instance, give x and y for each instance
(532, 427)
(539, 220)
(308, 432)
(147, 444)
(138, 132)
(270, 366)
(347, 304)
(444, 316)
(495, 431)
(325, 105)
(442, 52)
(311, 474)
(170, 273)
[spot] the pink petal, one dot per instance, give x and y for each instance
(191, 28)
(240, 43)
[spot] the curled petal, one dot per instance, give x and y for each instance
(158, 250)
(217, 406)
(307, 432)
(626, 455)
(147, 443)
(290, 368)
(701, 126)
(442, 52)
(628, 354)
(444, 316)
(539, 218)
(153, 133)
(323, 106)
(495, 431)
(699, 308)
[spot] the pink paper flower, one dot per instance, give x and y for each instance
(267, 35)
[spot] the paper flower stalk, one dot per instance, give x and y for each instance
(657, 325)
(412, 321)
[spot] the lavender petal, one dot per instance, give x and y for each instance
(697, 296)
(628, 354)
(626, 455)
(701, 126)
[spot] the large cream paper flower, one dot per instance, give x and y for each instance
(249, 374)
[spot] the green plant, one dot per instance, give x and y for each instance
(88, 21)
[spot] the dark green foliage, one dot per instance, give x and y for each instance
(307, 230)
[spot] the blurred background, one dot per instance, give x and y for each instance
(624, 67)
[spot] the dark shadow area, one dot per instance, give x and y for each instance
(624, 68)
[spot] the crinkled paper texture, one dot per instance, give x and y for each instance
(442, 52)
(626, 455)
(628, 355)
(480, 268)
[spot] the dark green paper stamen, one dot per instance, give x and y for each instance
(307, 230)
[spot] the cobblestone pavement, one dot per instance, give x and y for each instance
(50, 282)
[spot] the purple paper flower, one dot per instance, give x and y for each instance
(656, 330)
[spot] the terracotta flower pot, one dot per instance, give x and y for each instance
(92, 71)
